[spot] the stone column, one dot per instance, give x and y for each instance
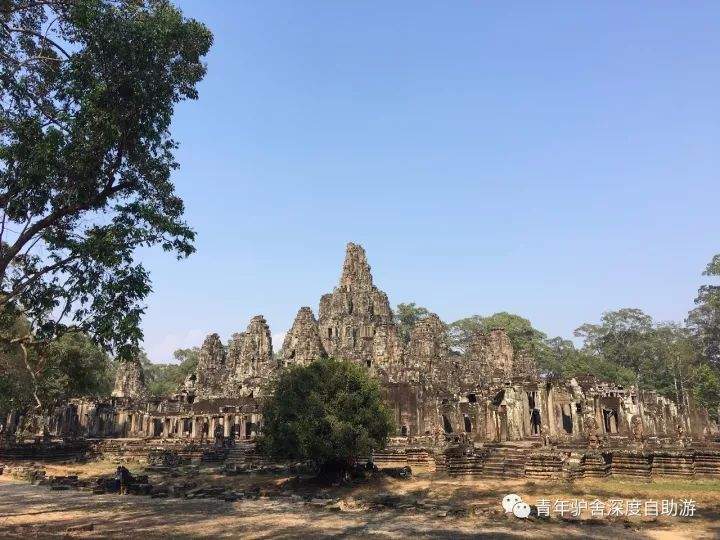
(226, 425)
(551, 420)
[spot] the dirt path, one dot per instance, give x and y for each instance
(28, 511)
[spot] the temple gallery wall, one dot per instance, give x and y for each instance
(491, 395)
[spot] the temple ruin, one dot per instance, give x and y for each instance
(485, 411)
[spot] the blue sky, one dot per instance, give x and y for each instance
(553, 159)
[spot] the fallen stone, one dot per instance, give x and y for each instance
(79, 528)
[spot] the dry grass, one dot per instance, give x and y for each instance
(417, 510)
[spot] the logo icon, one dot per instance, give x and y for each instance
(514, 503)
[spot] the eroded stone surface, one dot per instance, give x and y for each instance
(252, 360)
(302, 343)
(129, 380)
(211, 368)
(438, 397)
(355, 320)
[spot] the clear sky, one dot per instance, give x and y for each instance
(552, 159)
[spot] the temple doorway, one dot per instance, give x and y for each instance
(502, 413)
(535, 421)
(567, 422)
(610, 420)
(447, 426)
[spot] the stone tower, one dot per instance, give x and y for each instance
(490, 356)
(250, 359)
(130, 380)
(256, 352)
(429, 347)
(211, 368)
(355, 320)
(302, 344)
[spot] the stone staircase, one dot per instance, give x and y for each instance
(441, 464)
(494, 461)
(505, 461)
(668, 463)
(544, 466)
(390, 458)
(594, 465)
(244, 455)
(632, 464)
(419, 457)
(707, 463)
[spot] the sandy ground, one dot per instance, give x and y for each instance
(28, 511)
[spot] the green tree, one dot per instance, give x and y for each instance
(74, 367)
(580, 363)
(523, 336)
(704, 320)
(329, 411)
(673, 362)
(165, 379)
(187, 360)
(462, 331)
(406, 315)
(624, 337)
(706, 389)
(704, 325)
(88, 89)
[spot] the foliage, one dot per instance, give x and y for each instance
(165, 379)
(329, 411)
(706, 389)
(704, 327)
(523, 336)
(75, 367)
(88, 89)
(406, 315)
(704, 320)
(462, 331)
(625, 336)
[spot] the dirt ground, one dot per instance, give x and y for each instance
(426, 506)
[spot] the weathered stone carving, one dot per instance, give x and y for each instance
(426, 356)
(234, 352)
(437, 395)
(256, 352)
(252, 360)
(129, 380)
(355, 320)
(211, 368)
(491, 355)
(637, 431)
(302, 343)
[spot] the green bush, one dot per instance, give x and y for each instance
(330, 412)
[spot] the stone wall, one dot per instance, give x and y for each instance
(129, 380)
(490, 394)
(211, 368)
(355, 320)
(302, 343)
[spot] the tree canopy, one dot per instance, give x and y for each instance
(406, 315)
(73, 366)
(329, 411)
(87, 93)
(523, 336)
(164, 379)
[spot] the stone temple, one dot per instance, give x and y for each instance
(486, 411)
